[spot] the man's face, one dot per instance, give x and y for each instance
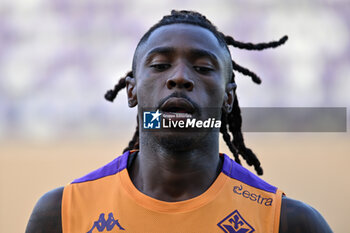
(183, 61)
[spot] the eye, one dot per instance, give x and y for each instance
(203, 69)
(160, 67)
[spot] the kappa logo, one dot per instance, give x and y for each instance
(103, 224)
(151, 120)
(235, 223)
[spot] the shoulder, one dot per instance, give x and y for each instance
(113, 167)
(240, 173)
(297, 216)
(46, 215)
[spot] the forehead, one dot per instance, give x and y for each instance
(183, 37)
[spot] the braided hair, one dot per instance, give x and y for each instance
(231, 123)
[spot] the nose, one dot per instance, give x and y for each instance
(180, 79)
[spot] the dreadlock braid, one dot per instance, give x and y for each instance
(227, 138)
(235, 127)
(231, 120)
(247, 72)
(249, 46)
(111, 94)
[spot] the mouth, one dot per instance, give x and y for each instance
(177, 105)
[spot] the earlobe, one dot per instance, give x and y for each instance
(229, 97)
(131, 91)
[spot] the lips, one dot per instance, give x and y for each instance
(177, 105)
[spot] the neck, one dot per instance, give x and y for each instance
(175, 175)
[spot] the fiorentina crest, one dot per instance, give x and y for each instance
(235, 223)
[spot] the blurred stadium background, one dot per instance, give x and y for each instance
(57, 59)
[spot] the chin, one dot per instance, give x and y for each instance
(180, 140)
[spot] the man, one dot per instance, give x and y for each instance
(174, 179)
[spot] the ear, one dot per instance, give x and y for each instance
(131, 91)
(229, 97)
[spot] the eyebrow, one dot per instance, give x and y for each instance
(201, 53)
(159, 50)
(194, 53)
